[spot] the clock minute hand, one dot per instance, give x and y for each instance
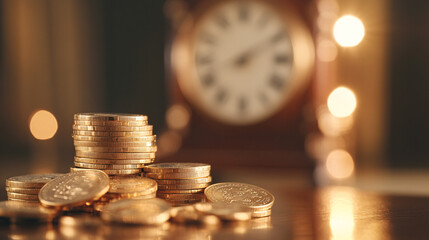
(245, 57)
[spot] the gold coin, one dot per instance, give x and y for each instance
(137, 195)
(22, 196)
(187, 186)
(107, 166)
(117, 149)
(109, 171)
(173, 167)
(24, 200)
(31, 180)
(111, 123)
(74, 189)
(185, 214)
(184, 181)
(178, 175)
(228, 212)
(23, 190)
(114, 139)
(137, 211)
(83, 221)
(112, 134)
(114, 155)
(132, 184)
(113, 161)
(263, 213)
(114, 144)
(253, 197)
(201, 190)
(109, 117)
(184, 202)
(112, 128)
(23, 210)
(180, 196)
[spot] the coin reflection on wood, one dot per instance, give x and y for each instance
(180, 183)
(136, 211)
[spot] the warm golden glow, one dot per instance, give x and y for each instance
(349, 31)
(333, 126)
(342, 102)
(341, 217)
(326, 51)
(177, 117)
(43, 125)
(339, 164)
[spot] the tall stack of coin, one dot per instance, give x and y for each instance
(180, 183)
(26, 188)
(118, 144)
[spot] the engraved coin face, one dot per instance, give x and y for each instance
(137, 211)
(132, 184)
(177, 167)
(74, 189)
(248, 195)
(31, 180)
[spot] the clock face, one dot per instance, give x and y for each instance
(243, 62)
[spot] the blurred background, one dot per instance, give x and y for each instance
(365, 109)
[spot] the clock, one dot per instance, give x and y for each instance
(244, 68)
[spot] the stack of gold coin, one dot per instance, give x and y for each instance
(180, 183)
(257, 200)
(26, 188)
(118, 144)
(123, 187)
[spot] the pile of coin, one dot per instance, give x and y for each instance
(257, 200)
(26, 188)
(180, 183)
(125, 187)
(118, 144)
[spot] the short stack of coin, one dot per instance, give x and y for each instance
(124, 187)
(180, 183)
(26, 188)
(118, 144)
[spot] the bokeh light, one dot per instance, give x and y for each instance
(326, 51)
(342, 102)
(43, 125)
(349, 31)
(177, 117)
(339, 164)
(341, 214)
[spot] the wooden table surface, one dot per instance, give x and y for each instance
(320, 213)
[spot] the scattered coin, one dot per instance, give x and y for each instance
(137, 211)
(74, 189)
(247, 195)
